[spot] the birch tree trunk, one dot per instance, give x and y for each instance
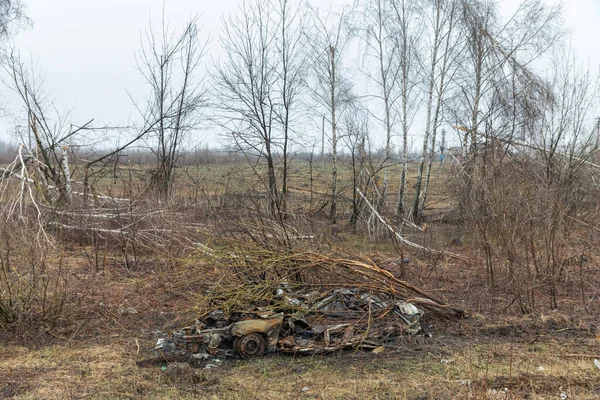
(443, 29)
(401, 11)
(64, 165)
(332, 86)
(330, 91)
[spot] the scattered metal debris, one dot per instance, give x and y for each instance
(305, 322)
(298, 301)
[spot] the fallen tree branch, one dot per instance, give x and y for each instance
(251, 272)
(104, 197)
(87, 228)
(399, 237)
(515, 143)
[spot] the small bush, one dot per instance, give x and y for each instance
(34, 287)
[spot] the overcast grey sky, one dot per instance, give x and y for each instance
(86, 48)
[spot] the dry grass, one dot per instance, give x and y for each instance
(213, 179)
(482, 355)
(445, 367)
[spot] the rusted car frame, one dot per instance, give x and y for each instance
(343, 318)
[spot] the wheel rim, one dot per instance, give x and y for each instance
(251, 345)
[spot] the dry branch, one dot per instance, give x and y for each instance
(250, 274)
(399, 237)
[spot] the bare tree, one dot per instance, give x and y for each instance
(291, 71)
(538, 193)
(43, 161)
(331, 90)
(12, 16)
(258, 84)
(499, 55)
(376, 27)
(406, 34)
(169, 63)
(565, 133)
(440, 18)
(52, 135)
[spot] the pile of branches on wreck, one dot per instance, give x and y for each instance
(244, 274)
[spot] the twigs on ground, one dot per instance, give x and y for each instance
(251, 274)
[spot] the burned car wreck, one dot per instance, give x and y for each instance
(259, 300)
(309, 322)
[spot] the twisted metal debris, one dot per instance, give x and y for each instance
(301, 302)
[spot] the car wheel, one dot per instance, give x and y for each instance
(250, 345)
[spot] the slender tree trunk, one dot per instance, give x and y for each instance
(386, 103)
(402, 192)
(472, 133)
(388, 154)
(333, 210)
(162, 153)
(66, 171)
(428, 125)
(425, 155)
(404, 60)
(273, 202)
(284, 179)
(438, 105)
(355, 173)
(286, 106)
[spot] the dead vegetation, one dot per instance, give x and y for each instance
(138, 267)
(100, 257)
(246, 274)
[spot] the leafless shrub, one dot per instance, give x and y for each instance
(530, 225)
(171, 112)
(34, 286)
